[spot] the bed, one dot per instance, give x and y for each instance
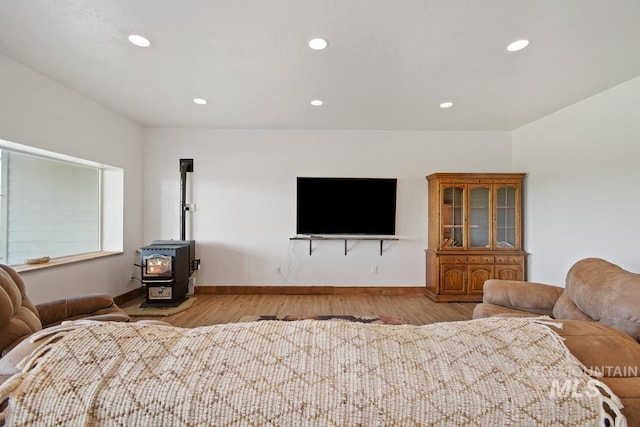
(496, 371)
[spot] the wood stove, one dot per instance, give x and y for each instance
(166, 267)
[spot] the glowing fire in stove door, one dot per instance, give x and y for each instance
(157, 265)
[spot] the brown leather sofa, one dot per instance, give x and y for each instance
(19, 318)
(600, 312)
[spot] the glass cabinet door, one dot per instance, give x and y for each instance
(452, 217)
(479, 217)
(506, 202)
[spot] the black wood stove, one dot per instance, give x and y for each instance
(167, 266)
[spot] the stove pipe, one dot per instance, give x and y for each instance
(186, 165)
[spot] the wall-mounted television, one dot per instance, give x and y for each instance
(346, 206)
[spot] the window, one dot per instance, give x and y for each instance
(53, 205)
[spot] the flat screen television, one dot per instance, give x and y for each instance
(365, 206)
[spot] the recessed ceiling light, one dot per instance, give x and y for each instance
(199, 101)
(518, 45)
(317, 102)
(139, 40)
(318, 44)
(447, 104)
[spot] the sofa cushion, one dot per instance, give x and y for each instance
(528, 296)
(91, 306)
(565, 308)
(18, 317)
(53, 312)
(599, 347)
(606, 293)
(611, 352)
(627, 390)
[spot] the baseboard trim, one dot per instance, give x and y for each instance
(128, 296)
(310, 290)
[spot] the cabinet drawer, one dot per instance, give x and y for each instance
(453, 259)
(509, 259)
(480, 259)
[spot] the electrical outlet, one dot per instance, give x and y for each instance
(374, 269)
(132, 275)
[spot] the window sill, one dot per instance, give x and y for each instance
(56, 262)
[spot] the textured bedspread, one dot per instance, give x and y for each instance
(485, 372)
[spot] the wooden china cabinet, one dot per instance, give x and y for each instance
(475, 233)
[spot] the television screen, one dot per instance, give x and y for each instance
(346, 206)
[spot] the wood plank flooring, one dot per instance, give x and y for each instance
(213, 309)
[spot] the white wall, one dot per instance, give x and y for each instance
(244, 184)
(38, 112)
(582, 196)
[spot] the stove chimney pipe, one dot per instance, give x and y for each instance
(186, 165)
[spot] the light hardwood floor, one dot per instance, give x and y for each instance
(212, 309)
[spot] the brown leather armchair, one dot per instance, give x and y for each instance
(19, 318)
(595, 290)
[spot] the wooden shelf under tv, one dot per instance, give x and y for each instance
(311, 238)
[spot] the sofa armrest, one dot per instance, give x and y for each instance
(527, 296)
(100, 306)
(112, 316)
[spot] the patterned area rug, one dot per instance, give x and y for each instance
(378, 320)
(139, 310)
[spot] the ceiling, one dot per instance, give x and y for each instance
(389, 64)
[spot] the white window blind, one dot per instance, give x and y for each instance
(50, 208)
